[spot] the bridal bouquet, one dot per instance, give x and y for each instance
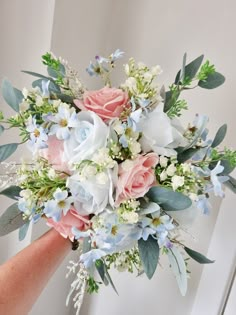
(111, 167)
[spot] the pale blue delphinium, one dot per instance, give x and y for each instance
(28, 207)
(45, 88)
(89, 258)
(61, 203)
(63, 121)
(117, 55)
(38, 135)
(203, 204)
(134, 119)
(218, 180)
(80, 234)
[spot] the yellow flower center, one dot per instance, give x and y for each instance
(61, 204)
(63, 123)
(156, 221)
(36, 133)
(114, 230)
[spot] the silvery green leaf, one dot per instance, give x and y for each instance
(7, 150)
(168, 199)
(182, 72)
(35, 74)
(110, 280)
(53, 87)
(11, 95)
(170, 98)
(149, 255)
(23, 231)
(11, 192)
(228, 167)
(11, 220)
(201, 259)
(53, 73)
(219, 137)
(191, 69)
(187, 154)
(101, 268)
(213, 81)
(231, 184)
(178, 267)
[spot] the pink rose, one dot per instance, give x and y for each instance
(54, 154)
(107, 103)
(136, 177)
(71, 219)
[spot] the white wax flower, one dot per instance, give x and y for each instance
(177, 181)
(171, 169)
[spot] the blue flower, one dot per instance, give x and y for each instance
(64, 120)
(61, 203)
(45, 88)
(204, 204)
(89, 258)
(117, 55)
(217, 180)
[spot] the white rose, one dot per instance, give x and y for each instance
(90, 136)
(158, 133)
(90, 195)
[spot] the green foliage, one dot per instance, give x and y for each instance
(1, 129)
(219, 137)
(11, 95)
(1, 116)
(176, 109)
(201, 259)
(205, 71)
(168, 199)
(149, 254)
(50, 61)
(23, 231)
(178, 267)
(7, 150)
(227, 158)
(189, 72)
(128, 260)
(213, 81)
(11, 220)
(12, 192)
(92, 285)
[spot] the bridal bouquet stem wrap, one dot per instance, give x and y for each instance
(109, 165)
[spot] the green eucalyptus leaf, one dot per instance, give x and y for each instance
(11, 192)
(23, 231)
(191, 69)
(101, 268)
(11, 95)
(1, 129)
(168, 199)
(38, 75)
(182, 72)
(187, 154)
(53, 73)
(149, 254)
(178, 267)
(170, 99)
(11, 220)
(213, 81)
(220, 135)
(231, 184)
(86, 244)
(7, 150)
(201, 259)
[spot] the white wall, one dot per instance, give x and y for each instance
(152, 31)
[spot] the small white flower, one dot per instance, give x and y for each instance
(171, 169)
(51, 173)
(186, 168)
(135, 147)
(163, 161)
(130, 217)
(126, 69)
(156, 70)
(177, 181)
(25, 92)
(118, 127)
(39, 100)
(163, 176)
(147, 76)
(24, 106)
(131, 83)
(127, 165)
(193, 197)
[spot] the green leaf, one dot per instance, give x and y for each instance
(53, 73)
(201, 259)
(7, 150)
(213, 81)
(38, 75)
(220, 135)
(182, 72)
(191, 69)
(187, 154)
(231, 184)
(52, 87)
(178, 267)
(11, 220)
(23, 231)
(170, 99)
(11, 95)
(101, 268)
(11, 192)
(168, 199)
(1, 129)
(149, 255)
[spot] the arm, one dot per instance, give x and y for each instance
(24, 276)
